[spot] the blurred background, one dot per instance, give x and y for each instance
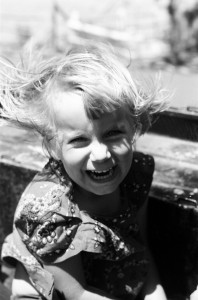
(153, 34)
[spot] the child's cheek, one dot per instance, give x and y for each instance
(123, 148)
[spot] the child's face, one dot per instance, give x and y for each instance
(96, 154)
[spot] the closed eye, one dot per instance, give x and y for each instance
(78, 140)
(114, 133)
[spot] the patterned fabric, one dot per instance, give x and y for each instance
(49, 228)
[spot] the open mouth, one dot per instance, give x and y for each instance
(101, 175)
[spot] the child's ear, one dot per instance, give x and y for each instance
(53, 148)
(54, 154)
(137, 133)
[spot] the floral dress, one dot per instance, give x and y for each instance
(49, 227)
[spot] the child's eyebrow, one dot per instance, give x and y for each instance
(73, 133)
(119, 124)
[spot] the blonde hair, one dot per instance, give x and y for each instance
(92, 70)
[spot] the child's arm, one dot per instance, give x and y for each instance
(194, 295)
(69, 280)
(152, 289)
(21, 285)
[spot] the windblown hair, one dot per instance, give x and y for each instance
(94, 71)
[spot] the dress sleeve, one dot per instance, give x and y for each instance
(47, 221)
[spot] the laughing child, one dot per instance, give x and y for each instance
(79, 228)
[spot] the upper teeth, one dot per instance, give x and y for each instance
(100, 172)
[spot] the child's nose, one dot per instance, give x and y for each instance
(99, 152)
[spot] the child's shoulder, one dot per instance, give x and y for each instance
(143, 163)
(142, 167)
(43, 194)
(139, 178)
(40, 185)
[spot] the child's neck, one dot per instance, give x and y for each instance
(102, 205)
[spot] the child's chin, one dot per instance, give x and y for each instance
(104, 189)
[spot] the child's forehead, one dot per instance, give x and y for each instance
(116, 116)
(70, 113)
(74, 103)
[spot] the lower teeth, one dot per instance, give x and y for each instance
(100, 177)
